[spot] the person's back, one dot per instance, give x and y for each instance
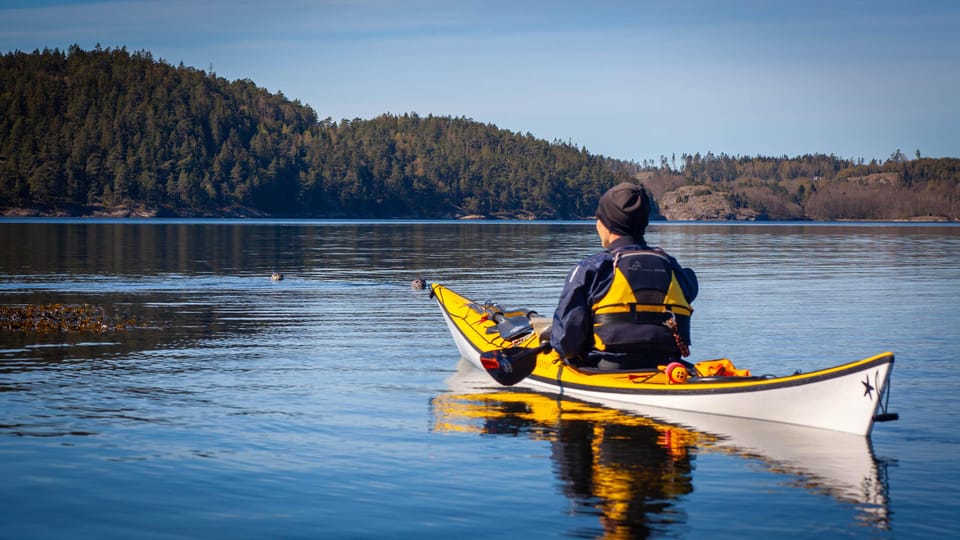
(627, 307)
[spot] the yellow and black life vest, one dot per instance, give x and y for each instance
(644, 311)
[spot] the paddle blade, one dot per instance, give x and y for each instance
(510, 366)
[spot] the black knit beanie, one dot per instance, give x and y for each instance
(625, 210)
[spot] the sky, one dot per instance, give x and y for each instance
(631, 80)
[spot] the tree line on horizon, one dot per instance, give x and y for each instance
(82, 130)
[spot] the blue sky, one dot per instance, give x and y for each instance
(627, 79)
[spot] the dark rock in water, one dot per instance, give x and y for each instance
(61, 318)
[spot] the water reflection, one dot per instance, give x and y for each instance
(632, 469)
(255, 247)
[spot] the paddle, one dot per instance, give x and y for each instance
(512, 365)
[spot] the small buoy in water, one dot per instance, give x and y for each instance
(419, 283)
(276, 276)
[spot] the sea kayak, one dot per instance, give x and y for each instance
(849, 397)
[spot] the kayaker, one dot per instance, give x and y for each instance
(627, 307)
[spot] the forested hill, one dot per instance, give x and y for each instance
(107, 129)
(108, 132)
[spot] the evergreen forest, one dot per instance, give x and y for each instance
(110, 132)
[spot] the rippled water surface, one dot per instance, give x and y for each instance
(331, 404)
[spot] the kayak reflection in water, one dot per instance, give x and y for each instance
(626, 469)
(632, 469)
(631, 474)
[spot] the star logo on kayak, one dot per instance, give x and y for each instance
(867, 387)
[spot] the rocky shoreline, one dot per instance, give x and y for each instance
(687, 203)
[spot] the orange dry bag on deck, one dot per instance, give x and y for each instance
(721, 367)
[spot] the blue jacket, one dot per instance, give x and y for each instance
(572, 331)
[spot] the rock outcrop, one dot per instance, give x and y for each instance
(701, 203)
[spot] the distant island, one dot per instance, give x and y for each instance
(106, 132)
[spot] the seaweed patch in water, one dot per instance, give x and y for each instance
(60, 318)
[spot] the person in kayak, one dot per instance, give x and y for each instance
(628, 306)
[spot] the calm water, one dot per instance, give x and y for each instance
(330, 404)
